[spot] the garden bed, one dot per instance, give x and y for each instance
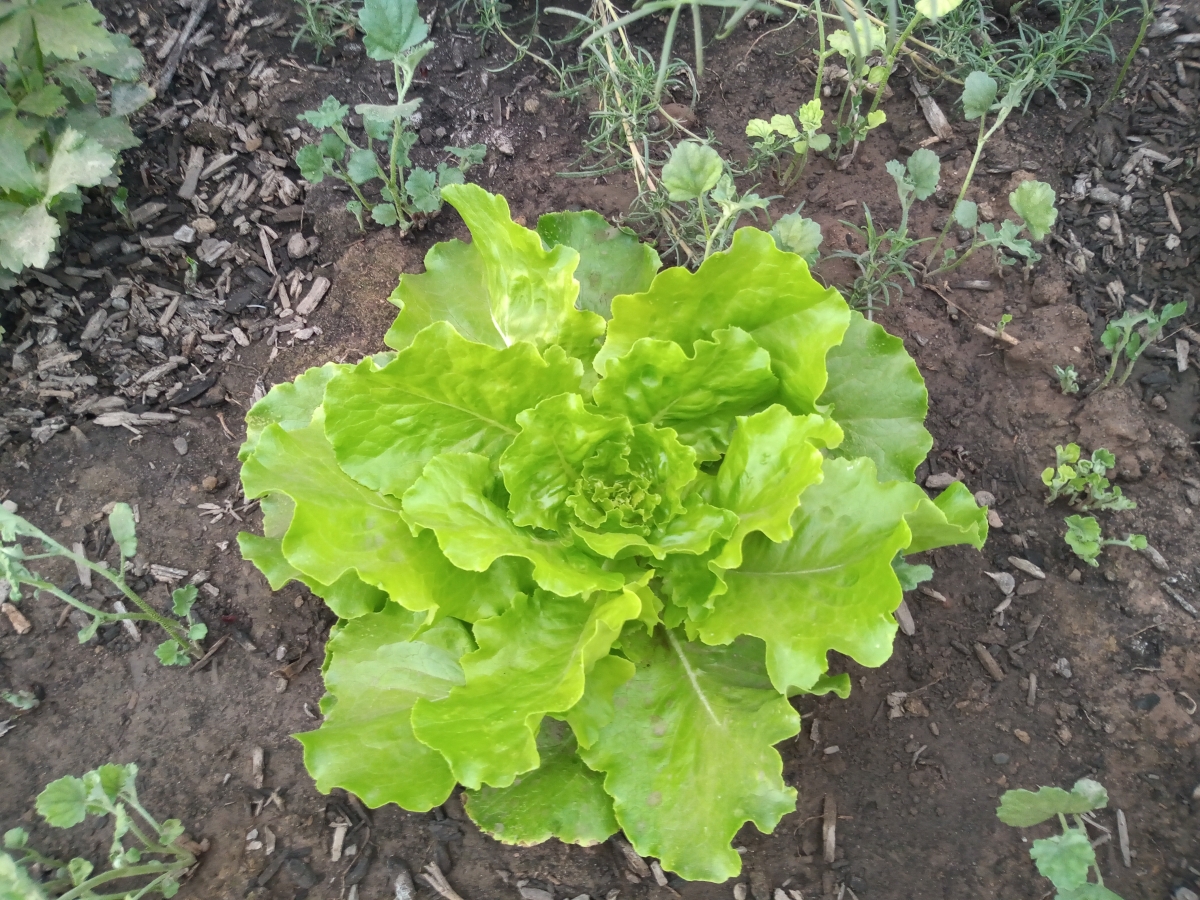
(913, 782)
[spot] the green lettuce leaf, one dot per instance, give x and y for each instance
(453, 497)
(562, 798)
(879, 398)
(451, 289)
(377, 667)
(772, 458)
(340, 526)
(531, 661)
(611, 260)
(953, 517)
(290, 405)
(440, 393)
(691, 758)
(755, 286)
(657, 383)
(831, 586)
(595, 708)
(531, 290)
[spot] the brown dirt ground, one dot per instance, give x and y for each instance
(915, 795)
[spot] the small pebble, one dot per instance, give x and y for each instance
(1022, 736)
(297, 246)
(210, 483)
(1000, 759)
(1075, 577)
(532, 105)
(934, 728)
(180, 444)
(739, 891)
(9, 505)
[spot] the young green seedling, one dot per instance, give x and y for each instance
(155, 862)
(1086, 539)
(1067, 858)
(696, 174)
(857, 44)
(926, 10)
(1122, 338)
(885, 259)
(1068, 379)
(1082, 482)
(774, 140)
(184, 636)
(1033, 201)
(393, 31)
(1003, 323)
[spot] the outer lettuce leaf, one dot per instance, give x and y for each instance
(690, 758)
(453, 498)
(772, 458)
(531, 291)
(531, 661)
(562, 798)
(451, 289)
(291, 404)
(611, 260)
(348, 597)
(753, 286)
(657, 383)
(377, 667)
(340, 526)
(879, 399)
(953, 517)
(441, 393)
(831, 587)
(595, 708)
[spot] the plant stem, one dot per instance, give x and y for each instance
(824, 50)
(1147, 18)
(155, 868)
(890, 61)
(984, 137)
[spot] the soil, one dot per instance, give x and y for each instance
(915, 788)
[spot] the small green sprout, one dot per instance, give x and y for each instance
(120, 203)
(1086, 540)
(1124, 340)
(22, 700)
(1082, 482)
(1068, 379)
(1067, 858)
(1003, 323)
(156, 862)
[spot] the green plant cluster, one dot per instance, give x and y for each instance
(1086, 539)
(182, 644)
(783, 133)
(1082, 482)
(590, 524)
(58, 132)
(1067, 859)
(1127, 343)
(393, 31)
(147, 857)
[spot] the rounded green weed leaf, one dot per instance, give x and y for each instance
(796, 234)
(1033, 201)
(924, 168)
(391, 28)
(933, 9)
(15, 883)
(124, 532)
(979, 93)
(63, 803)
(1065, 858)
(693, 170)
(966, 214)
(331, 112)
(1022, 808)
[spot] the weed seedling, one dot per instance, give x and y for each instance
(784, 143)
(1068, 858)
(155, 861)
(1068, 379)
(696, 176)
(885, 260)
(393, 32)
(1124, 340)
(1086, 539)
(1082, 482)
(322, 22)
(184, 636)
(798, 235)
(1003, 323)
(1033, 201)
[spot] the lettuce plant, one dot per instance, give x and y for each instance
(588, 527)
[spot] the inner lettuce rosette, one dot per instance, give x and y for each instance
(589, 525)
